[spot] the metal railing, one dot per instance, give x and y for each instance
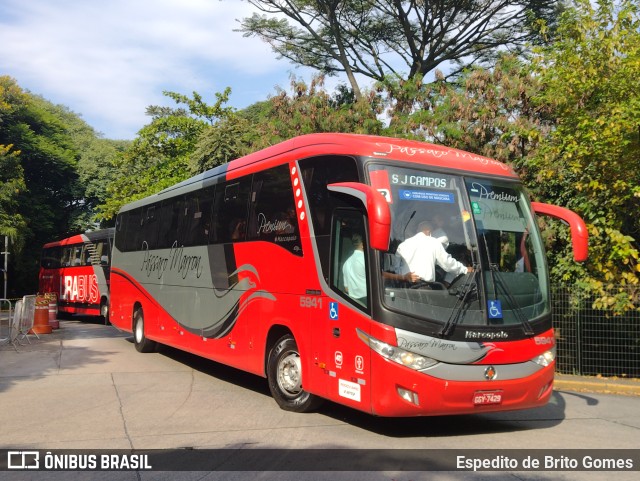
(594, 341)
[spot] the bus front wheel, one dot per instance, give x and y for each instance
(284, 373)
(139, 339)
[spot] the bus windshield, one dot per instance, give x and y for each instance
(463, 250)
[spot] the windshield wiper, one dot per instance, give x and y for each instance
(496, 281)
(466, 294)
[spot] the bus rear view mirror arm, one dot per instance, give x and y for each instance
(579, 234)
(377, 208)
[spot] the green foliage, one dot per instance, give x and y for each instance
(41, 196)
(404, 39)
(307, 108)
(161, 154)
(12, 223)
(590, 161)
(488, 111)
(568, 121)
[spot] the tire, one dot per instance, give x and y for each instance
(284, 373)
(139, 340)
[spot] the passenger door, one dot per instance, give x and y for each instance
(347, 357)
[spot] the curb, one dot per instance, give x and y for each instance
(598, 385)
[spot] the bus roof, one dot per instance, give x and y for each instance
(371, 146)
(92, 236)
(383, 148)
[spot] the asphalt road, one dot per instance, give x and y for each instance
(85, 387)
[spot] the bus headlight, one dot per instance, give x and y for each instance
(546, 358)
(397, 354)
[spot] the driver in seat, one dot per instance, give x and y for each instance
(422, 252)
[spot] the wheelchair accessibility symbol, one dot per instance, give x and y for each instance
(495, 309)
(333, 311)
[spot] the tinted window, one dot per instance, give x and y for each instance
(273, 212)
(230, 211)
(168, 214)
(129, 232)
(317, 173)
(51, 258)
(195, 217)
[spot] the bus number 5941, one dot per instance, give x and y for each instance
(311, 302)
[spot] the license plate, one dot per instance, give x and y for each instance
(487, 397)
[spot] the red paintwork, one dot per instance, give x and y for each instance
(371, 146)
(331, 363)
(76, 287)
(579, 233)
(80, 285)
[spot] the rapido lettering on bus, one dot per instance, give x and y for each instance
(81, 288)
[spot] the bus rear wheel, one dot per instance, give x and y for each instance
(284, 373)
(139, 339)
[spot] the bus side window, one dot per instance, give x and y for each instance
(129, 228)
(76, 255)
(66, 257)
(349, 267)
(86, 255)
(230, 211)
(168, 215)
(101, 253)
(272, 216)
(317, 173)
(195, 218)
(150, 226)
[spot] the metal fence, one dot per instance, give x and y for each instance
(595, 341)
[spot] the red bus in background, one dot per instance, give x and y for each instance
(252, 264)
(77, 270)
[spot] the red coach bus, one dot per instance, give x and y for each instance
(291, 263)
(77, 269)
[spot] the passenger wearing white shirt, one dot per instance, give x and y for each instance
(354, 272)
(422, 252)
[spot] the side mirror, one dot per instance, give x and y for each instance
(378, 211)
(579, 234)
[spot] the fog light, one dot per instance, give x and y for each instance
(409, 396)
(545, 390)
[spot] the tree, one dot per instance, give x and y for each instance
(94, 156)
(568, 121)
(49, 201)
(11, 172)
(12, 223)
(405, 39)
(490, 111)
(307, 108)
(590, 162)
(160, 156)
